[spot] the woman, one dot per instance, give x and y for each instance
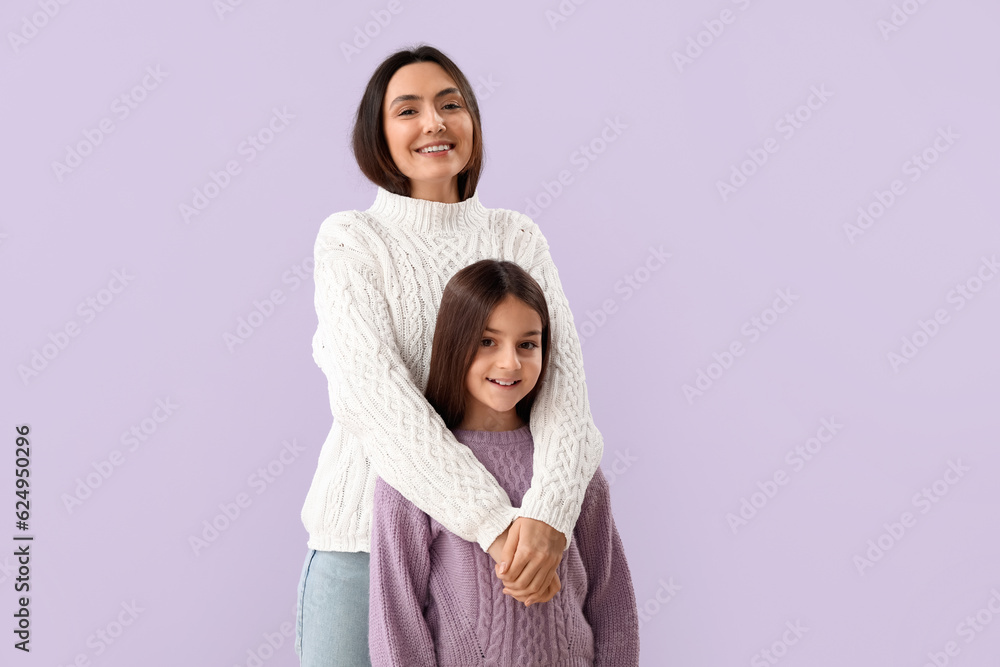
(379, 277)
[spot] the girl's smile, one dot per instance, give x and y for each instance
(503, 383)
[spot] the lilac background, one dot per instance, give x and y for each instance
(679, 466)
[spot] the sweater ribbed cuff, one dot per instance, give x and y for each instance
(559, 515)
(496, 522)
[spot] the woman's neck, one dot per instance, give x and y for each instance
(443, 192)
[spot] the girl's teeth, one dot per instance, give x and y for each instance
(504, 384)
(434, 149)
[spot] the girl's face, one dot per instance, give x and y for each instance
(510, 351)
(422, 109)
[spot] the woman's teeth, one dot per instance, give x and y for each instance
(434, 149)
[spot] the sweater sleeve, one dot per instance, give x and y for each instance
(568, 446)
(398, 634)
(610, 606)
(373, 396)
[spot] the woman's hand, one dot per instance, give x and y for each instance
(527, 555)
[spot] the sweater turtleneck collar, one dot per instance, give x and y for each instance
(423, 215)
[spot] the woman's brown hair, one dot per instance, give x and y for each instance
(368, 136)
(469, 298)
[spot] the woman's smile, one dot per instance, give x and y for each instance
(436, 150)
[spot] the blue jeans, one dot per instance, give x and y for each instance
(331, 628)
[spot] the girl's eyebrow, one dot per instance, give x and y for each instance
(410, 97)
(526, 333)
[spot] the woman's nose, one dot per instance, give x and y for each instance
(434, 122)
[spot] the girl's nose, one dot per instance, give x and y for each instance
(508, 359)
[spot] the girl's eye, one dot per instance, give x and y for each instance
(488, 342)
(453, 104)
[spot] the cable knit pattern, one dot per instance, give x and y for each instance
(379, 277)
(435, 601)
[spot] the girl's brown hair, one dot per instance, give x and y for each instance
(368, 136)
(469, 298)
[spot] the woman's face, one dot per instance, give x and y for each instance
(423, 108)
(510, 350)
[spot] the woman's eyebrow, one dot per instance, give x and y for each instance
(411, 97)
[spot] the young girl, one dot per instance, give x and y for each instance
(434, 597)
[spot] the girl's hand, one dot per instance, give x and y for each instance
(532, 550)
(496, 549)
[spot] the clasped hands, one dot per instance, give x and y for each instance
(526, 556)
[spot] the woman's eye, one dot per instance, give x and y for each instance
(410, 112)
(486, 342)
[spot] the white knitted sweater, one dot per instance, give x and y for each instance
(379, 278)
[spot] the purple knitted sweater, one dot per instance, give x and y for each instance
(435, 600)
